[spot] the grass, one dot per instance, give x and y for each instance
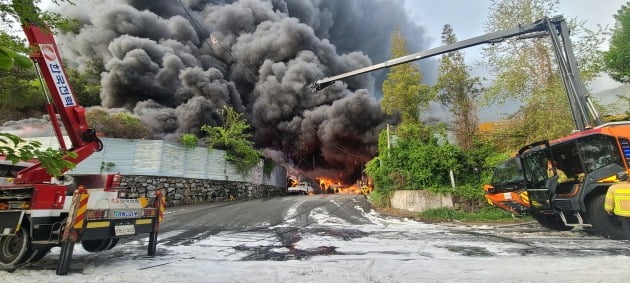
(379, 199)
(485, 214)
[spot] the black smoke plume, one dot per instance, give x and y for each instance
(176, 63)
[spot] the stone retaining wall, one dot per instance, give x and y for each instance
(181, 191)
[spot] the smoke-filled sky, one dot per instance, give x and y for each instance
(176, 64)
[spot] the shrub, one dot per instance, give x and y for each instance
(419, 159)
(118, 125)
(189, 141)
(233, 138)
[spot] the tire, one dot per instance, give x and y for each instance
(113, 243)
(604, 224)
(15, 249)
(94, 246)
(551, 221)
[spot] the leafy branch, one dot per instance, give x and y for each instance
(234, 139)
(16, 149)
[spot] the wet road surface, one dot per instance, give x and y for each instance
(331, 229)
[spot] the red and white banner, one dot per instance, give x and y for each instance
(58, 77)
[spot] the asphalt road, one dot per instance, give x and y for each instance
(281, 213)
(289, 219)
(327, 230)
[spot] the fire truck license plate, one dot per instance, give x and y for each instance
(124, 230)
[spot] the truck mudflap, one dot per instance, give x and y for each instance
(10, 221)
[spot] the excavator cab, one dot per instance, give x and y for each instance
(566, 180)
(579, 165)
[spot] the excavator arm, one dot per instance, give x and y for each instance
(584, 114)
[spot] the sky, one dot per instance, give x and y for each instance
(467, 17)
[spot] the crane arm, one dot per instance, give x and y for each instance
(61, 100)
(555, 27)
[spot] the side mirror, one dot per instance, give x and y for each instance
(622, 176)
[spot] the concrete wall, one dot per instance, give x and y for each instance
(421, 200)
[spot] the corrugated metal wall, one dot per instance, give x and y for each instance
(161, 158)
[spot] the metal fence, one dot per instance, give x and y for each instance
(162, 158)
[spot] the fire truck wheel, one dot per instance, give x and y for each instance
(14, 249)
(113, 243)
(551, 221)
(606, 225)
(96, 245)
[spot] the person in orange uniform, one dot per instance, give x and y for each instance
(618, 202)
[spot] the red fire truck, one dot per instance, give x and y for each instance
(39, 211)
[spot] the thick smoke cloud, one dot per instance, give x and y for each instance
(176, 66)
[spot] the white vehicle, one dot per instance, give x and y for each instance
(302, 188)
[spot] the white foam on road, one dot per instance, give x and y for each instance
(320, 216)
(291, 214)
(391, 250)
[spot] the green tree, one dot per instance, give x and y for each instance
(456, 89)
(617, 58)
(14, 12)
(234, 138)
(415, 163)
(526, 72)
(10, 55)
(21, 81)
(20, 91)
(87, 84)
(402, 90)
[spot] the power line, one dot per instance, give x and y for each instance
(347, 151)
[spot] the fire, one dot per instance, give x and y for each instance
(325, 183)
(328, 185)
(292, 181)
(333, 186)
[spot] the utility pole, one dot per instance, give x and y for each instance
(389, 145)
